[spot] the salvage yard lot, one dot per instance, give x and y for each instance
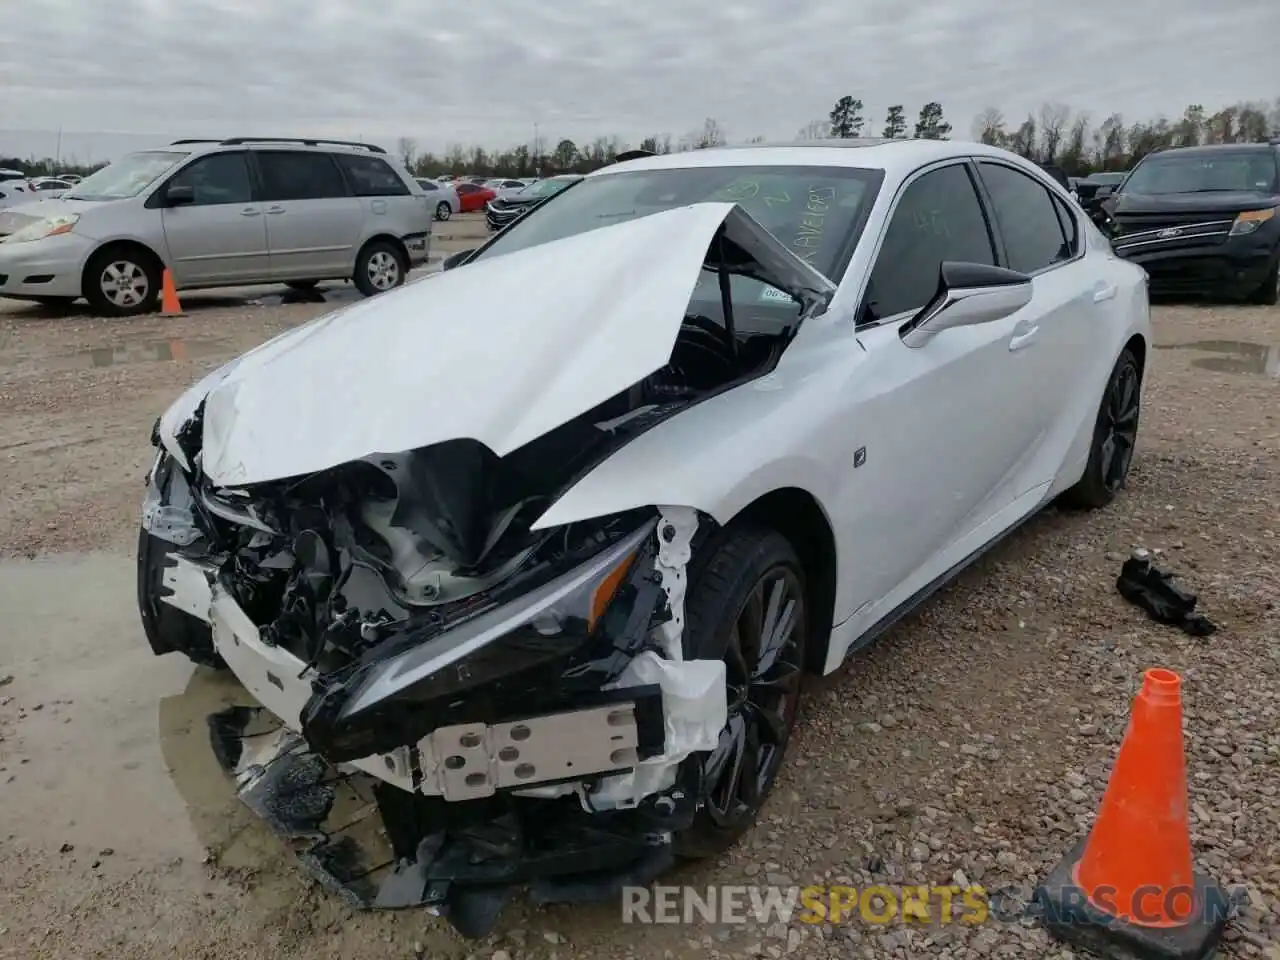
(975, 738)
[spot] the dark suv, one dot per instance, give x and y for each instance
(1203, 220)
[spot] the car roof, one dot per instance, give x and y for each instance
(893, 156)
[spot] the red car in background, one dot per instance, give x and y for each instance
(472, 196)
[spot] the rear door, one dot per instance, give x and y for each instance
(220, 237)
(313, 223)
(388, 203)
(939, 428)
(1041, 237)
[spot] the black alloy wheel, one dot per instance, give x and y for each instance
(1120, 415)
(1115, 435)
(747, 607)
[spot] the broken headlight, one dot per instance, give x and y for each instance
(557, 643)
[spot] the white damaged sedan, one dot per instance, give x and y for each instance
(536, 555)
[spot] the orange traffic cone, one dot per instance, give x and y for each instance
(169, 304)
(1129, 889)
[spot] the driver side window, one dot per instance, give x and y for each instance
(937, 218)
(217, 178)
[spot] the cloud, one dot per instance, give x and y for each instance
(488, 72)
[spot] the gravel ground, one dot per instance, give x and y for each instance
(975, 739)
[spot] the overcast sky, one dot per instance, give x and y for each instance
(382, 69)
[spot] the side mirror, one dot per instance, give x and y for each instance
(456, 259)
(1103, 192)
(968, 293)
(179, 195)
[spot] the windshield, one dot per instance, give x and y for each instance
(127, 177)
(545, 188)
(1251, 171)
(816, 211)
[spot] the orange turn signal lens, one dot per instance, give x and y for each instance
(608, 589)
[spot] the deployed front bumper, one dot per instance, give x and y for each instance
(574, 793)
(474, 760)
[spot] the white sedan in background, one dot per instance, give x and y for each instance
(49, 188)
(445, 196)
(582, 512)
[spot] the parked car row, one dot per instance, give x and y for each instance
(501, 211)
(217, 213)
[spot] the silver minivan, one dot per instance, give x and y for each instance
(219, 213)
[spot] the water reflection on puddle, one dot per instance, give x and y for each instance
(1232, 356)
(150, 351)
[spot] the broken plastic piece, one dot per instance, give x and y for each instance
(1146, 585)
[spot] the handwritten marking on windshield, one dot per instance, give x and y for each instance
(814, 221)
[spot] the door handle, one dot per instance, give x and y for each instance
(1105, 292)
(250, 212)
(275, 210)
(1025, 339)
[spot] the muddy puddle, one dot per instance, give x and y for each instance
(1232, 356)
(142, 351)
(106, 746)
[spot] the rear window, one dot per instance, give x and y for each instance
(816, 211)
(371, 176)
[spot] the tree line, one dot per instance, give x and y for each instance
(1054, 134)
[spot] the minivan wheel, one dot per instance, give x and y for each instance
(121, 282)
(443, 211)
(379, 268)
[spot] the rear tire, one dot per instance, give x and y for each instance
(745, 575)
(122, 281)
(1268, 295)
(1115, 433)
(379, 267)
(443, 210)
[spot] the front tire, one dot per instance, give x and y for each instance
(122, 282)
(443, 210)
(1115, 433)
(746, 606)
(1268, 295)
(379, 267)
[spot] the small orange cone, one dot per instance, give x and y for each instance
(169, 304)
(1129, 890)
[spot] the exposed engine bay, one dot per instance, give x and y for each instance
(519, 697)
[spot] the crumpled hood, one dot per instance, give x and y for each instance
(501, 351)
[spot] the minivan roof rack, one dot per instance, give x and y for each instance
(306, 141)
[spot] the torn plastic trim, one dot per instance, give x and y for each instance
(462, 861)
(168, 506)
(694, 692)
(564, 598)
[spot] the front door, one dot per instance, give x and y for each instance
(313, 223)
(221, 237)
(939, 429)
(1042, 238)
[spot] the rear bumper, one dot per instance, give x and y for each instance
(418, 246)
(1231, 268)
